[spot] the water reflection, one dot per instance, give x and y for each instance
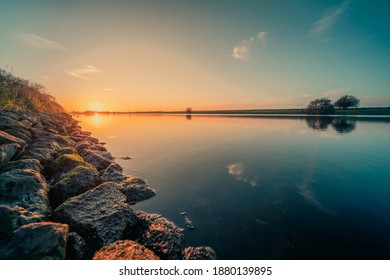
(238, 171)
(340, 125)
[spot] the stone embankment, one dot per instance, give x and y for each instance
(62, 196)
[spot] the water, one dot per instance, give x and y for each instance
(265, 187)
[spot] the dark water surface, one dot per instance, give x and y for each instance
(266, 187)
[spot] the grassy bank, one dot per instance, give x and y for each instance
(20, 94)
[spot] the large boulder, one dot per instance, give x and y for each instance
(136, 189)
(101, 215)
(8, 151)
(199, 253)
(75, 182)
(63, 164)
(7, 122)
(99, 159)
(13, 217)
(37, 241)
(25, 188)
(113, 173)
(33, 164)
(23, 134)
(124, 250)
(76, 248)
(161, 236)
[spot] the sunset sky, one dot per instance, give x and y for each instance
(168, 55)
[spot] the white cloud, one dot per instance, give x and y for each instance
(237, 170)
(335, 93)
(243, 50)
(81, 72)
(39, 42)
(327, 21)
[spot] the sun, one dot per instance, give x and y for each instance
(96, 106)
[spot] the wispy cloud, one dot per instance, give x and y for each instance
(39, 42)
(238, 170)
(321, 27)
(83, 72)
(335, 93)
(243, 50)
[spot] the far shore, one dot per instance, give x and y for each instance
(379, 111)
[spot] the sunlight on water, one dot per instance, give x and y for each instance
(263, 188)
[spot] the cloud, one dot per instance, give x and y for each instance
(335, 93)
(327, 21)
(39, 42)
(81, 72)
(243, 50)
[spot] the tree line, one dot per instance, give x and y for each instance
(325, 105)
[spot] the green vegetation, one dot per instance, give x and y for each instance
(347, 101)
(21, 94)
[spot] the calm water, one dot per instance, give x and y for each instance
(263, 188)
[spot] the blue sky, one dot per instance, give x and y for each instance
(120, 55)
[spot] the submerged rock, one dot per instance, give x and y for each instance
(37, 241)
(26, 188)
(161, 236)
(199, 253)
(101, 215)
(124, 250)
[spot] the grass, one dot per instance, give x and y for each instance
(20, 94)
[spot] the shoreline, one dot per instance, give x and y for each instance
(58, 181)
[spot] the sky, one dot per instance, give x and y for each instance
(169, 55)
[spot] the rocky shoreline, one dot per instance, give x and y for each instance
(62, 196)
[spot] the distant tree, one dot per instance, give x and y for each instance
(189, 110)
(347, 101)
(320, 106)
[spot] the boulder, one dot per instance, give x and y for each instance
(75, 182)
(101, 215)
(63, 164)
(76, 248)
(136, 189)
(33, 164)
(45, 156)
(8, 151)
(124, 250)
(161, 236)
(7, 122)
(25, 188)
(13, 217)
(6, 138)
(199, 253)
(23, 134)
(99, 159)
(113, 173)
(37, 241)
(63, 140)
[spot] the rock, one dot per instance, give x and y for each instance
(76, 248)
(8, 151)
(26, 188)
(6, 138)
(99, 159)
(65, 151)
(199, 253)
(113, 173)
(81, 146)
(161, 236)
(63, 140)
(33, 164)
(39, 132)
(43, 155)
(7, 122)
(101, 215)
(64, 164)
(135, 189)
(13, 217)
(98, 147)
(37, 241)
(25, 135)
(124, 250)
(75, 182)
